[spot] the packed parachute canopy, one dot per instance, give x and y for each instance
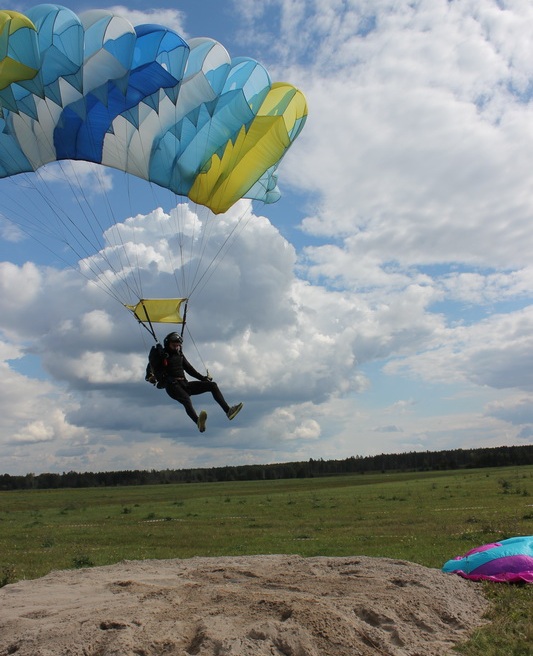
(143, 100)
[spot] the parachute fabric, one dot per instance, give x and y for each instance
(509, 560)
(142, 100)
(158, 310)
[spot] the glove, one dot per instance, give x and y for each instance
(150, 378)
(207, 379)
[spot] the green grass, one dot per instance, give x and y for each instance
(426, 518)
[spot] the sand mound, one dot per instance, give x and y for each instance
(245, 606)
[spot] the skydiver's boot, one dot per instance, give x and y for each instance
(202, 418)
(234, 411)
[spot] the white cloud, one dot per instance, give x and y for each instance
(9, 231)
(420, 149)
(486, 288)
(171, 18)
(92, 178)
(35, 431)
(496, 351)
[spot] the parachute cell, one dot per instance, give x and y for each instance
(19, 59)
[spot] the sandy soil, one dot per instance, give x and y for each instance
(241, 606)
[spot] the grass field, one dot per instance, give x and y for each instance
(426, 518)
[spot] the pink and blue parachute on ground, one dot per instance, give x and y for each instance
(508, 561)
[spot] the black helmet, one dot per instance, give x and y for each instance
(173, 337)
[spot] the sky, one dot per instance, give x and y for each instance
(382, 305)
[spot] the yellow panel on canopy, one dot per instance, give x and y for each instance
(158, 310)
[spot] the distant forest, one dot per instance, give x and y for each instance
(503, 456)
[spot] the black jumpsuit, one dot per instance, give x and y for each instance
(175, 365)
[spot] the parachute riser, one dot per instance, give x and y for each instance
(184, 317)
(149, 328)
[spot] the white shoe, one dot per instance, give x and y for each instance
(234, 411)
(202, 418)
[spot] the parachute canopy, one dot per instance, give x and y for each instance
(141, 99)
(158, 310)
(510, 560)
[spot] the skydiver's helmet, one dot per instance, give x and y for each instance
(172, 337)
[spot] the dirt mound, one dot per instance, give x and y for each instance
(241, 606)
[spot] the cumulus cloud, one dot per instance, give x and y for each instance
(424, 154)
(495, 352)
(267, 336)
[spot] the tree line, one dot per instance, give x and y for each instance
(503, 456)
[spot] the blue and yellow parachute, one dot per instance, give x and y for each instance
(180, 114)
(141, 99)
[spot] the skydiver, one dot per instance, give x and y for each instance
(167, 368)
